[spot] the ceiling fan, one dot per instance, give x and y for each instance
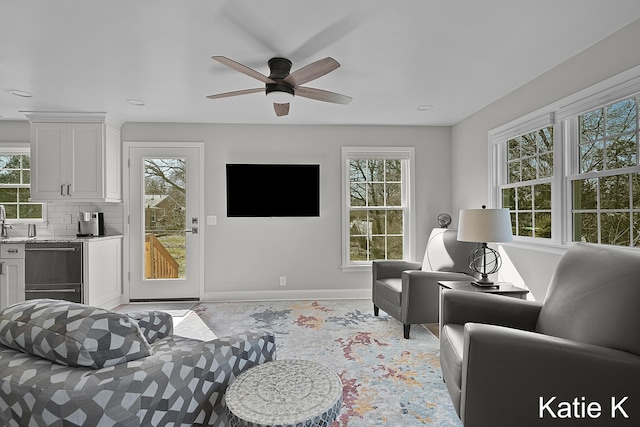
(282, 85)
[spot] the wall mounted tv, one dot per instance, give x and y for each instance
(273, 190)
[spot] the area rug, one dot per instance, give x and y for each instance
(387, 380)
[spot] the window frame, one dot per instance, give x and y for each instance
(574, 174)
(498, 167)
(563, 115)
(407, 156)
(22, 148)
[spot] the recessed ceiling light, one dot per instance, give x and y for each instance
(20, 93)
(136, 102)
(425, 107)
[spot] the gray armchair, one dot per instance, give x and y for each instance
(409, 291)
(511, 362)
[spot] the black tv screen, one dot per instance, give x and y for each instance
(273, 190)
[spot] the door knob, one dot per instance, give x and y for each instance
(193, 230)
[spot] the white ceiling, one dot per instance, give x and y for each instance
(457, 55)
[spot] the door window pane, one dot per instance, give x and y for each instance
(164, 218)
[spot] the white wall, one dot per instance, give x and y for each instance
(245, 257)
(613, 55)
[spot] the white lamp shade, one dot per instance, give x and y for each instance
(484, 225)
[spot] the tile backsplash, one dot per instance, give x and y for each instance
(56, 211)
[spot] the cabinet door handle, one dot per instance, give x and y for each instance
(12, 251)
(68, 189)
(62, 190)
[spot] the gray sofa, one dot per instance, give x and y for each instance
(409, 291)
(511, 362)
(65, 364)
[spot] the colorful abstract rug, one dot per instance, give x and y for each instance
(388, 381)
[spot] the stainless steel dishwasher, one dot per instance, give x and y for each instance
(53, 270)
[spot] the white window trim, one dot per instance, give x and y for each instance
(408, 178)
(22, 148)
(560, 114)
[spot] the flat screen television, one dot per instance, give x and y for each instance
(273, 190)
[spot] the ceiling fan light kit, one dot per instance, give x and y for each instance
(279, 92)
(282, 85)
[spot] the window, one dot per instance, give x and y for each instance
(377, 214)
(570, 172)
(527, 191)
(606, 188)
(15, 181)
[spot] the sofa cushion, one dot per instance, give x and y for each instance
(390, 290)
(72, 334)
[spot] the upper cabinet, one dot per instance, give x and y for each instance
(75, 158)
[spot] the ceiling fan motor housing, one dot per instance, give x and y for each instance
(280, 68)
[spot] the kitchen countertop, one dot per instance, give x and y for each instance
(53, 239)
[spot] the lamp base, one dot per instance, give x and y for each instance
(487, 284)
(484, 261)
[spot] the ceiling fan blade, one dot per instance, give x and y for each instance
(235, 93)
(312, 71)
(329, 35)
(281, 109)
(242, 68)
(322, 95)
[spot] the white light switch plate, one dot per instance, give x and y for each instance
(212, 220)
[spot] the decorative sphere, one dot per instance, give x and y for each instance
(485, 260)
(444, 219)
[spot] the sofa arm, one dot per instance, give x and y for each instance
(460, 307)
(421, 294)
(153, 324)
(525, 376)
(392, 268)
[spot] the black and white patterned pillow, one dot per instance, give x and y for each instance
(72, 334)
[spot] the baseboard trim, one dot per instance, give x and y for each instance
(109, 304)
(279, 295)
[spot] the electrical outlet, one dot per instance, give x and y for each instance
(212, 220)
(283, 280)
(66, 219)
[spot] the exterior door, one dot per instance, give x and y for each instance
(165, 242)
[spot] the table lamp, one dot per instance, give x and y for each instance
(482, 226)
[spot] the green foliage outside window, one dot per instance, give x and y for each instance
(376, 212)
(15, 182)
(529, 173)
(607, 210)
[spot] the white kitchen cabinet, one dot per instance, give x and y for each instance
(11, 274)
(75, 158)
(103, 272)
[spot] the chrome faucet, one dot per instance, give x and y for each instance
(3, 221)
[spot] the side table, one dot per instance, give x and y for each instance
(500, 288)
(285, 393)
